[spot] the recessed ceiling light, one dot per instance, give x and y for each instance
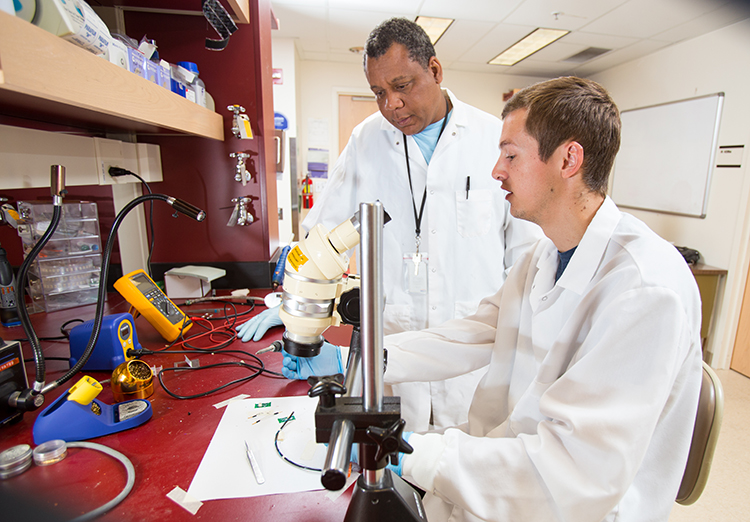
(531, 43)
(357, 50)
(434, 27)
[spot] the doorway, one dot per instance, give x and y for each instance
(741, 352)
(353, 109)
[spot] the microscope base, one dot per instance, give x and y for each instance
(396, 501)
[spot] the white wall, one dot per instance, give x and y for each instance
(714, 62)
(285, 102)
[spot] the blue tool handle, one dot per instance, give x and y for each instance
(278, 272)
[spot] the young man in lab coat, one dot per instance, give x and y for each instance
(451, 239)
(593, 343)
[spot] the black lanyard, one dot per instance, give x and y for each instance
(418, 217)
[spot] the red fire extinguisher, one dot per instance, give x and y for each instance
(307, 196)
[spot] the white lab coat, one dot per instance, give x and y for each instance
(587, 409)
(471, 241)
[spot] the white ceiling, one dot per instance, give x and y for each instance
(326, 29)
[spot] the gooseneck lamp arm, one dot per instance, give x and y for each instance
(32, 399)
(57, 183)
(177, 204)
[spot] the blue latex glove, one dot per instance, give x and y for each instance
(398, 470)
(327, 362)
(257, 327)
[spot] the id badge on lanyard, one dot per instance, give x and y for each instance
(415, 265)
(414, 270)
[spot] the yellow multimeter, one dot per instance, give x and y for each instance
(141, 292)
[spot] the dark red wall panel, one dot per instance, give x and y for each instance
(199, 170)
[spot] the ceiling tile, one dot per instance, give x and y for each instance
(606, 41)
(646, 18)
(530, 67)
(460, 37)
(638, 49)
(301, 3)
(557, 51)
(573, 14)
(300, 22)
(383, 6)
(352, 27)
(478, 10)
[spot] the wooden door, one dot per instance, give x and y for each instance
(741, 351)
(352, 110)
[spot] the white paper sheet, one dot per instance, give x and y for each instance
(225, 471)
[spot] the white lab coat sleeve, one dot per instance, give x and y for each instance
(454, 348)
(597, 422)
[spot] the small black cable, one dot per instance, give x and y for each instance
(257, 370)
(117, 171)
(180, 337)
(227, 316)
(66, 333)
(276, 443)
(64, 337)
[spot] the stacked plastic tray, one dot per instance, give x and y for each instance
(66, 272)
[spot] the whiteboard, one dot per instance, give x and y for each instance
(667, 154)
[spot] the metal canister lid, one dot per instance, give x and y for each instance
(15, 461)
(50, 452)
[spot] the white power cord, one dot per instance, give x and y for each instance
(125, 491)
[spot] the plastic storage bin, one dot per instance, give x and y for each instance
(66, 272)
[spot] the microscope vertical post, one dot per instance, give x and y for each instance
(371, 223)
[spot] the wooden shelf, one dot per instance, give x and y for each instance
(239, 10)
(42, 74)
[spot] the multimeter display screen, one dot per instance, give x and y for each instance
(143, 284)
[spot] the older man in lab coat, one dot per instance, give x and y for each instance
(428, 158)
(434, 179)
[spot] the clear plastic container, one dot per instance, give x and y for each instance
(66, 272)
(50, 452)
